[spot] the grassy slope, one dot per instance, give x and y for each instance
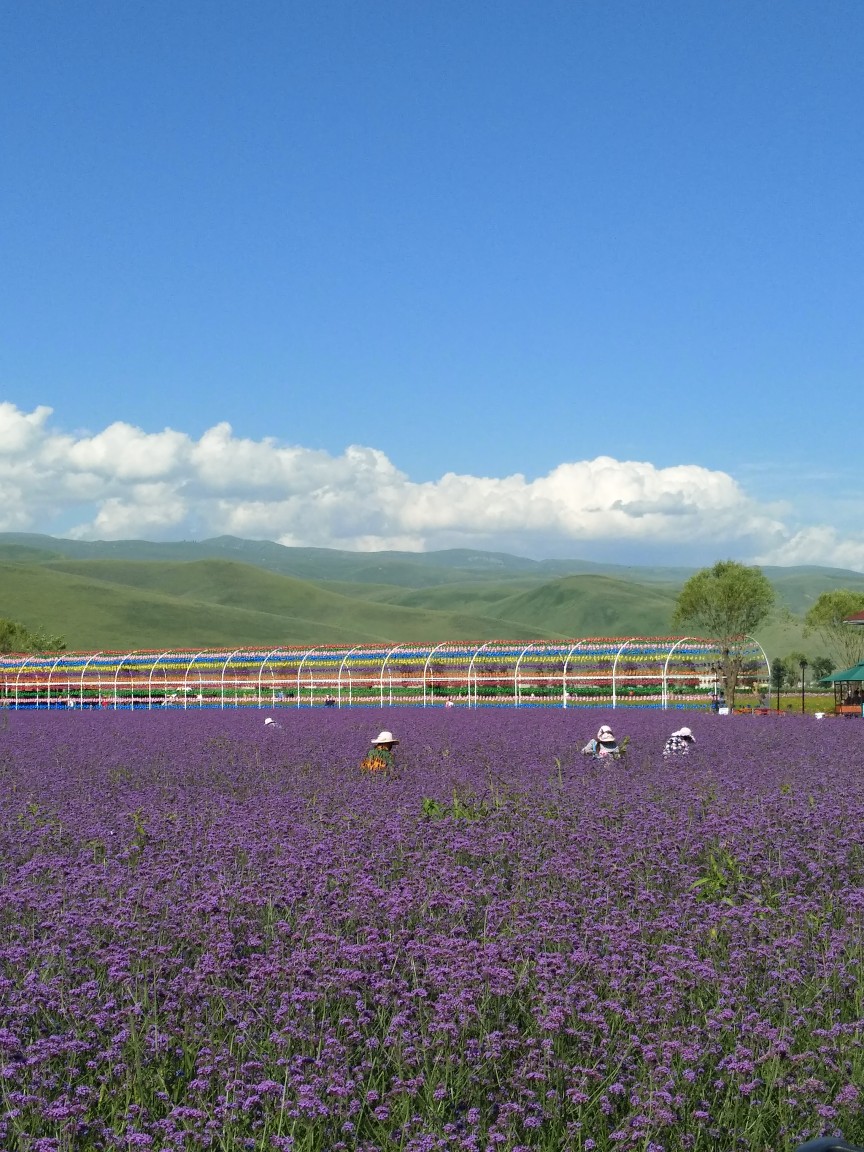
(120, 604)
(126, 601)
(598, 605)
(478, 596)
(799, 588)
(570, 606)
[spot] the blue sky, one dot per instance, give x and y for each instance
(491, 239)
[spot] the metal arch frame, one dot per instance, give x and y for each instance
(426, 668)
(350, 678)
(664, 692)
(381, 677)
(225, 664)
(306, 654)
(17, 679)
(573, 648)
(128, 656)
(261, 668)
(81, 679)
(459, 657)
(153, 668)
(753, 640)
(50, 674)
(191, 664)
(477, 652)
(517, 684)
(615, 666)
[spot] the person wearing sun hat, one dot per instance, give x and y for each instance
(604, 744)
(679, 742)
(380, 756)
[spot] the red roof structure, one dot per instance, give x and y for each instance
(855, 618)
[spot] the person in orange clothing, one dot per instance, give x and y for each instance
(380, 757)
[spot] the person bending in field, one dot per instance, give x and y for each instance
(603, 745)
(380, 757)
(679, 743)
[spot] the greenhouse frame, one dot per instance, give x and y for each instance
(664, 672)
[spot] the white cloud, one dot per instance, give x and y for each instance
(124, 482)
(818, 544)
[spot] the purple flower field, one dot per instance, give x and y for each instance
(216, 935)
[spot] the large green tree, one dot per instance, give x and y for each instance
(827, 618)
(725, 603)
(15, 637)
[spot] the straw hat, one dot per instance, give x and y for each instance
(384, 738)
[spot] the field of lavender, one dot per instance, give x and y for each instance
(219, 935)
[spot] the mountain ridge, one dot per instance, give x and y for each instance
(128, 594)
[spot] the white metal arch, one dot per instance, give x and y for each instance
(615, 667)
(426, 669)
(50, 674)
(128, 656)
(153, 668)
(381, 676)
(477, 652)
(18, 677)
(573, 648)
(306, 654)
(753, 640)
(225, 664)
(191, 664)
(664, 692)
(517, 684)
(261, 668)
(83, 674)
(350, 678)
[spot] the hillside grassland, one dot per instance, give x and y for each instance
(235, 593)
(235, 605)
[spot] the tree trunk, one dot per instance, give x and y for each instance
(731, 672)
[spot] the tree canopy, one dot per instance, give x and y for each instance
(725, 603)
(15, 637)
(827, 616)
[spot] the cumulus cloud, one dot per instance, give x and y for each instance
(125, 482)
(818, 544)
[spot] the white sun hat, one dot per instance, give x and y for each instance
(384, 738)
(686, 733)
(268, 720)
(605, 735)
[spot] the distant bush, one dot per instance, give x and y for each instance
(15, 637)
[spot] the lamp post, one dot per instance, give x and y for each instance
(803, 664)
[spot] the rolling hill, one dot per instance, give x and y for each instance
(210, 604)
(228, 592)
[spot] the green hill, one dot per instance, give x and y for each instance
(798, 588)
(593, 605)
(228, 592)
(124, 604)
